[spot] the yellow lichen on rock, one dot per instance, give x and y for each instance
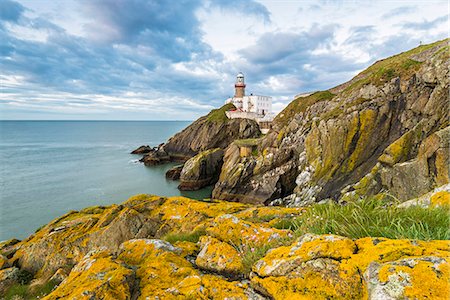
(230, 229)
(264, 214)
(187, 248)
(411, 278)
(180, 214)
(219, 257)
(441, 198)
(97, 276)
(283, 260)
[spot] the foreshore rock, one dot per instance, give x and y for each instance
(122, 252)
(142, 150)
(201, 170)
(384, 130)
(174, 173)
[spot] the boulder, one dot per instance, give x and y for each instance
(219, 257)
(97, 276)
(201, 170)
(174, 173)
(142, 150)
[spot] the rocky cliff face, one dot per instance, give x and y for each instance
(214, 130)
(154, 247)
(385, 130)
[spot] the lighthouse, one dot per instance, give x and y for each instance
(239, 86)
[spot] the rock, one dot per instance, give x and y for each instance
(201, 170)
(230, 229)
(375, 126)
(174, 173)
(142, 150)
(438, 197)
(4, 263)
(284, 260)
(122, 252)
(8, 277)
(156, 156)
(409, 278)
(329, 266)
(9, 247)
(59, 276)
(97, 276)
(219, 257)
(166, 275)
(214, 130)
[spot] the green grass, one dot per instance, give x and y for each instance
(22, 291)
(218, 115)
(400, 65)
(251, 253)
(375, 218)
(183, 236)
(300, 105)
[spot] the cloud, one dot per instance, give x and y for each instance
(398, 11)
(244, 7)
(151, 59)
(10, 10)
(425, 25)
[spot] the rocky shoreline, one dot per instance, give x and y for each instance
(178, 248)
(347, 197)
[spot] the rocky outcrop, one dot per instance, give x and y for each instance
(372, 126)
(217, 250)
(214, 130)
(329, 266)
(201, 170)
(142, 150)
(174, 173)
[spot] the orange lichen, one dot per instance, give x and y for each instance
(232, 230)
(419, 278)
(441, 198)
(96, 276)
(219, 256)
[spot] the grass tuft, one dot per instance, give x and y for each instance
(376, 218)
(185, 237)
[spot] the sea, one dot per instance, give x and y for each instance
(48, 168)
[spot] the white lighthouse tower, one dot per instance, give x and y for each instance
(256, 107)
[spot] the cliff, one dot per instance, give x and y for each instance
(154, 247)
(386, 130)
(214, 130)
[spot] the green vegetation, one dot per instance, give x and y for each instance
(185, 237)
(252, 253)
(376, 218)
(247, 142)
(400, 65)
(23, 291)
(218, 115)
(300, 105)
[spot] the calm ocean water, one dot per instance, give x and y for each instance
(50, 167)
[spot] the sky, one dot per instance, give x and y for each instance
(177, 60)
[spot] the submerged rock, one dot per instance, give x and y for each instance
(201, 170)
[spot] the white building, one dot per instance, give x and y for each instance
(256, 107)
